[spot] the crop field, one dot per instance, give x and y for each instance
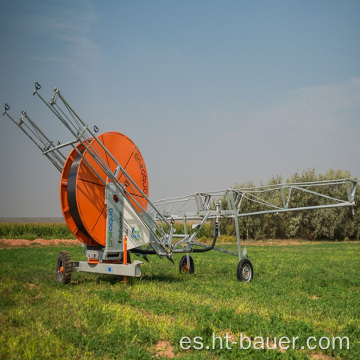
(34, 231)
(298, 291)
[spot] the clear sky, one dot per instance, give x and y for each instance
(213, 93)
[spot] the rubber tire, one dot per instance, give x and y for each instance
(63, 261)
(183, 267)
(245, 270)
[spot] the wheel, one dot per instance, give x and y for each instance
(184, 267)
(245, 270)
(63, 267)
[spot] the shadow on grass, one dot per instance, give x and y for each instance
(80, 279)
(168, 278)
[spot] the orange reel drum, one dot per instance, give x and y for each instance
(82, 193)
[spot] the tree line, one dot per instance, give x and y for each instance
(329, 224)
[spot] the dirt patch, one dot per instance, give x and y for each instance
(321, 357)
(17, 243)
(164, 349)
(31, 286)
(290, 242)
(278, 242)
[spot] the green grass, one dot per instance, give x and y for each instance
(33, 231)
(306, 290)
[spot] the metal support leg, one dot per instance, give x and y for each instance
(188, 260)
(236, 219)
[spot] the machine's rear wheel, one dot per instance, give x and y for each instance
(245, 270)
(184, 266)
(63, 267)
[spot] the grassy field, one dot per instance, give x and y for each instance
(297, 291)
(33, 231)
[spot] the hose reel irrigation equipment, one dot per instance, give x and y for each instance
(104, 199)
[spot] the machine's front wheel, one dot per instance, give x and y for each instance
(245, 270)
(185, 267)
(63, 267)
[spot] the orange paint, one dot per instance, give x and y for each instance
(125, 251)
(89, 225)
(93, 261)
(125, 255)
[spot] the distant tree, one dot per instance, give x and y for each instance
(332, 223)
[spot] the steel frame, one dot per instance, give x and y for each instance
(200, 206)
(160, 216)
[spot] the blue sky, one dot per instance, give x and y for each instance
(213, 93)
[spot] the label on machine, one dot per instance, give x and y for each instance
(122, 220)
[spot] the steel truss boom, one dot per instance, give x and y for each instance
(241, 202)
(195, 206)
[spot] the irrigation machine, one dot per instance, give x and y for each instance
(104, 200)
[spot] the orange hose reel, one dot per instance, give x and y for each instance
(82, 193)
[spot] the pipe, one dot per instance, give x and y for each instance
(208, 248)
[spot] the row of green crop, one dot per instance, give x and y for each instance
(33, 231)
